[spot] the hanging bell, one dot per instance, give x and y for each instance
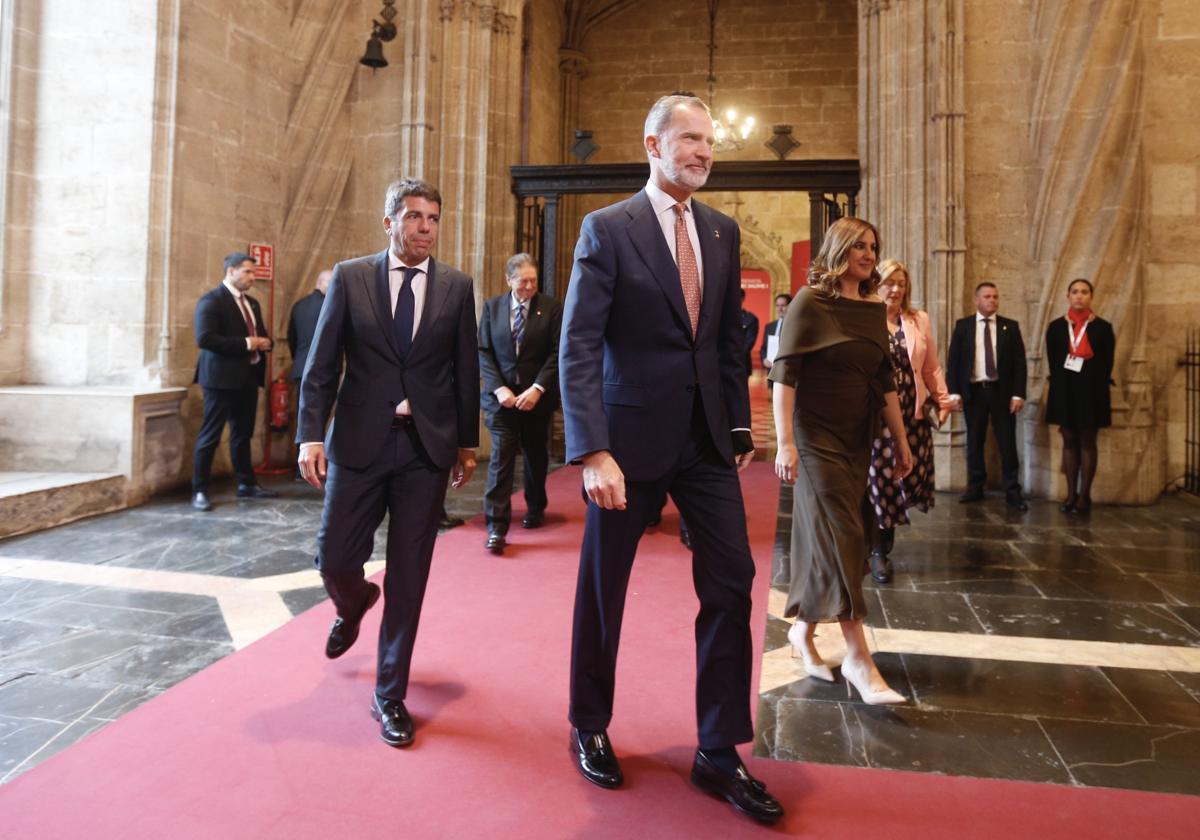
(373, 57)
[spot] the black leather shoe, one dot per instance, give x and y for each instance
(344, 632)
(255, 491)
(200, 501)
(495, 543)
(395, 724)
(881, 567)
(655, 519)
(685, 536)
(741, 790)
(595, 759)
(533, 520)
(1017, 503)
(447, 522)
(973, 494)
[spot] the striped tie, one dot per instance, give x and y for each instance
(518, 328)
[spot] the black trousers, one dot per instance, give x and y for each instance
(511, 430)
(403, 483)
(709, 495)
(991, 403)
(238, 407)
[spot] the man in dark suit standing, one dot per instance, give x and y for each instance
(407, 421)
(772, 328)
(986, 372)
(749, 333)
(303, 324)
(653, 374)
(233, 344)
(518, 357)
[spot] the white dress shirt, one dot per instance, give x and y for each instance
(395, 280)
(977, 373)
(663, 206)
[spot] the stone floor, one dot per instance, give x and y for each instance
(1036, 646)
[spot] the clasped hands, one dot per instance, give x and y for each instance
(525, 401)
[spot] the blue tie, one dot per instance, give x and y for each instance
(406, 305)
(518, 327)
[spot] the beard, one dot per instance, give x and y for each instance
(682, 175)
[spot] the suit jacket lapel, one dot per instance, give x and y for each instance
(436, 291)
(381, 297)
(706, 232)
(502, 329)
(647, 238)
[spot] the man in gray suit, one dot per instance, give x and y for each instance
(407, 421)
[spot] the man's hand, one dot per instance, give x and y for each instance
(743, 459)
(312, 463)
(529, 398)
(506, 397)
(460, 473)
(603, 480)
(1015, 405)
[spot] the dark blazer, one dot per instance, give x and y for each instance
(221, 335)
(439, 376)
(1010, 358)
(769, 330)
(301, 327)
(538, 362)
(628, 364)
(1091, 384)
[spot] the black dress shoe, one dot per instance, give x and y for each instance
(685, 536)
(1016, 503)
(255, 491)
(973, 494)
(344, 631)
(655, 519)
(741, 790)
(595, 759)
(495, 543)
(395, 724)
(533, 520)
(200, 501)
(881, 567)
(1068, 506)
(447, 522)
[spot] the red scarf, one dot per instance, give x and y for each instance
(1076, 321)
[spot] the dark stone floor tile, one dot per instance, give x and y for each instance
(19, 596)
(301, 600)
(764, 726)
(932, 555)
(84, 616)
(939, 611)
(1087, 620)
(26, 741)
(205, 624)
(979, 531)
(1180, 588)
(281, 561)
(909, 738)
(1189, 681)
(51, 698)
(1160, 560)
(776, 633)
(70, 548)
(1016, 688)
(1155, 758)
(154, 663)
(19, 637)
(192, 556)
(971, 581)
(140, 599)
(1189, 614)
(1109, 585)
(1157, 695)
(1056, 557)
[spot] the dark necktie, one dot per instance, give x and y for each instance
(406, 306)
(248, 316)
(989, 355)
(518, 328)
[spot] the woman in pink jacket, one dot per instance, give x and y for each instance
(921, 388)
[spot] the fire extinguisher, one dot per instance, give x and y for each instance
(280, 399)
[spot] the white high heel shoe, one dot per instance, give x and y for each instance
(813, 664)
(861, 679)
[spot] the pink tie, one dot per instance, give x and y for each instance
(689, 274)
(242, 305)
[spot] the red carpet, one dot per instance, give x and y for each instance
(275, 741)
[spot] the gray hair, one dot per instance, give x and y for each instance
(515, 262)
(401, 189)
(661, 112)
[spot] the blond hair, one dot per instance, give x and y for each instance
(833, 260)
(889, 267)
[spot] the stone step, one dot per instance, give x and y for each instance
(32, 501)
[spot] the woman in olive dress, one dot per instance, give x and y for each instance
(1079, 349)
(834, 377)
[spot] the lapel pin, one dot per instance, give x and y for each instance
(717, 233)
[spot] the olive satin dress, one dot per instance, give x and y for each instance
(834, 352)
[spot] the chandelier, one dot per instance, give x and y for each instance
(730, 134)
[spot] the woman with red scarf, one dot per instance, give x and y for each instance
(1079, 349)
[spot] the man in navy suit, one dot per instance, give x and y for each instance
(653, 374)
(985, 369)
(518, 357)
(303, 324)
(233, 344)
(407, 420)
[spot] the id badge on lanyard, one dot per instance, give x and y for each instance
(1075, 363)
